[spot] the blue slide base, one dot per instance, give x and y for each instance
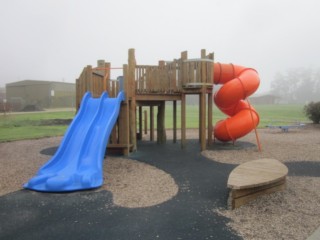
(77, 164)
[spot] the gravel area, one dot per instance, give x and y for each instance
(291, 214)
(135, 184)
(132, 183)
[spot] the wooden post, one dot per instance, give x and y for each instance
(125, 109)
(183, 120)
(184, 75)
(199, 117)
(125, 80)
(132, 95)
(145, 122)
(210, 123)
(203, 67)
(123, 121)
(184, 56)
(203, 103)
(151, 124)
(131, 73)
(161, 130)
(88, 79)
(78, 97)
(106, 82)
(203, 119)
(174, 121)
(140, 123)
(210, 100)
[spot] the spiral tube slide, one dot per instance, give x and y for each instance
(238, 83)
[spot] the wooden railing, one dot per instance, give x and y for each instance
(165, 78)
(172, 77)
(95, 81)
(160, 79)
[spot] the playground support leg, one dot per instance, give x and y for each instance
(203, 119)
(161, 130)
(145, 122)
(174, 121)
(151, 124)
(210, 124)
(183, 121)
(133, 127)
(140, 123)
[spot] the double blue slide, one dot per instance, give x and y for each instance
(77, 164)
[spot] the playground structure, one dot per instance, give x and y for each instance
(152, 86)
(107, 115)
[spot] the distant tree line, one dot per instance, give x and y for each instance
(299, 85)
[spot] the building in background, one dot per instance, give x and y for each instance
(33, 94)
(2, 94)
(264, 99)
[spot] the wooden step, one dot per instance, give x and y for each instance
(255, 178)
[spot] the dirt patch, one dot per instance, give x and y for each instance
(53, 122)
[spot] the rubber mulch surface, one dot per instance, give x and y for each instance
(92, 215)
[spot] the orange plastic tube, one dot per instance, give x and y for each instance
(238, 84)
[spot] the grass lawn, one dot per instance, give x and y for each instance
(269, 114)
(31, 126)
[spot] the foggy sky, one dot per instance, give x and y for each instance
(55, 39)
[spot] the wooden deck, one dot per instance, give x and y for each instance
(255, 178)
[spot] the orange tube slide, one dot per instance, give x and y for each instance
(238, 84)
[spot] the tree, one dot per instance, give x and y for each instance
(312, 111)
(299, 85)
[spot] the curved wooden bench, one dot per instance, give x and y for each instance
(252, 179)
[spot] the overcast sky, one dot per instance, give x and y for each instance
(55, 39)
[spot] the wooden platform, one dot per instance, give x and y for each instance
(252, 179)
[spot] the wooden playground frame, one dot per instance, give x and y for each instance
(152, 86)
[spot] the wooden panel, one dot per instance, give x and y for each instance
(238, 198)
(257, 173)
(237, 193)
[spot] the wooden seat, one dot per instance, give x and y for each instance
(252, 179)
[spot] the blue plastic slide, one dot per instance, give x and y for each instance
(77, 164)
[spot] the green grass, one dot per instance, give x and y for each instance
(280, 114)
(269, 114)
(28, 125)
